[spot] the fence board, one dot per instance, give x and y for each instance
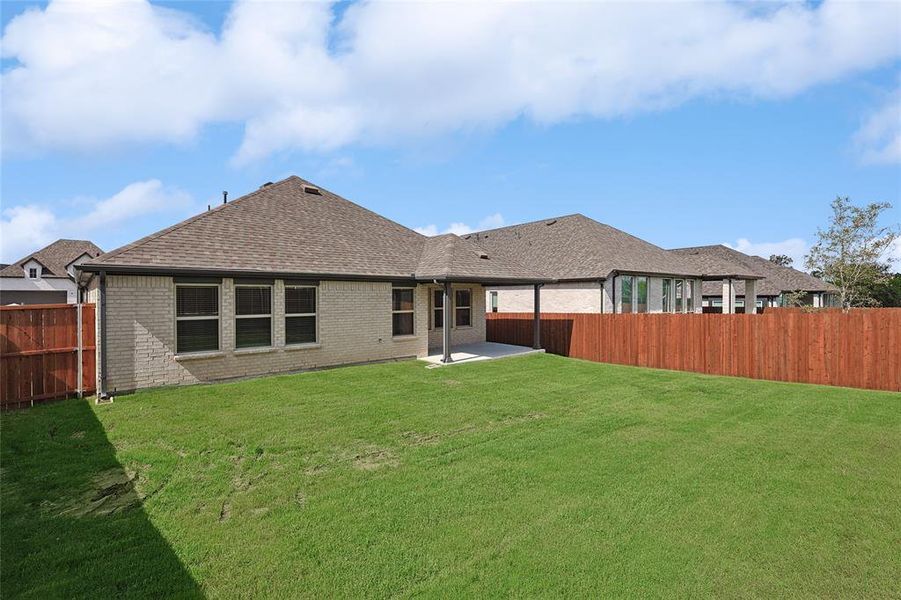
(39, 353)
(860, 348)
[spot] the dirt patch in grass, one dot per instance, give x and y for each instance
(374, 458)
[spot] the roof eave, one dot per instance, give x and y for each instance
(218, 272)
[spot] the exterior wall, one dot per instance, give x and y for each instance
(580, 297)
(354, 326)
(37, 286)
(460, 335)
(570, 297)
(655, 294)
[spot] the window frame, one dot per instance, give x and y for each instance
(637, 294)
(217, 317)
(493, 301)
(622, 296)
(412, 311)
(255, 316)
(35, 271)
(434, 308)
(315, 315)
(466, 307)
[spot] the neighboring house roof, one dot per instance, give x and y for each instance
(54, 259)
(574, 247)
(293, 227)
(776, 278)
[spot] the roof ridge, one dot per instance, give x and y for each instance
(529, 223)
(192, 219)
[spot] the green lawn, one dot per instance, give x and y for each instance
(528, 476)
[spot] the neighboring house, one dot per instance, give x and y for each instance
(47, 276)
(286, 278)
(599, 269)
(771, 290)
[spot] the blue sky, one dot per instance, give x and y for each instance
(117, 123)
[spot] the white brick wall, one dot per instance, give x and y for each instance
(573, 297)
(354, 326)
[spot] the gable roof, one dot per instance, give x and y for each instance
(776, 278)
(575, 247)
(294, 228)
(54, 259)
(449, 254)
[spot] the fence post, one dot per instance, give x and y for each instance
(79, 385)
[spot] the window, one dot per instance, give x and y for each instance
(493, 296)
(626, 295)
(667, 299)
(679, 296)
(33, 273)
(253, 316)
(300, 314)
(196, 318)
(463, 308)
(438, 309)
(641, 297)
(401, 311)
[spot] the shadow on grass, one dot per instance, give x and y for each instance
(72, 522)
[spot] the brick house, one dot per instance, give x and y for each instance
(601, 269)
(286, 278)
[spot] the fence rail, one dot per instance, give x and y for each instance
(43, 354)
(860, 348)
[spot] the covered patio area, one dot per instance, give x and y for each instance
(466, 353)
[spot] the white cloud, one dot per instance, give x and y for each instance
(94, 74)
(26, 228)
(489, 222)
(795, 248)
(879, 138)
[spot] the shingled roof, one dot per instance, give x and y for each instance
(295, 228)
(574, 247)
(54, 258)
(775, 278)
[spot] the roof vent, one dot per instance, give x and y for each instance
(267, 184)
(310, 189)
(551, 222)
(483, 255)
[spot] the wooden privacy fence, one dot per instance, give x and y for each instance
(43, 355)
(861, 348)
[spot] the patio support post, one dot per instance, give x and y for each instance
(728, 297)
(446, 333)
(751, 297)
(536, 319)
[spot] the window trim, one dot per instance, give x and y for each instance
(315, 315)
(217, 318)
(457, 307)
(397, 312)
(35, 271)
(270, 315)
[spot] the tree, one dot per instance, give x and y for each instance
(850, 252)
(888, 292)
(783, 260)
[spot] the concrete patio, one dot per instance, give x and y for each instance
(467, 353)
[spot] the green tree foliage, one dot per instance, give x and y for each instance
(850, 252)
(783, 260)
